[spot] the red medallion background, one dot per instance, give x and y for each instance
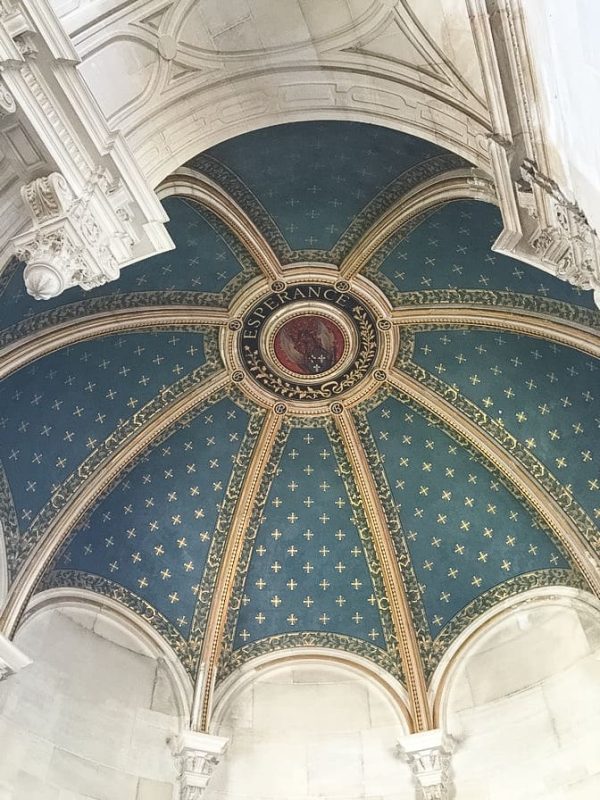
(309, 344)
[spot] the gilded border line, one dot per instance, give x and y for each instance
(248, 269)
(10, 524)
(223, 525)
(269, 473)
(395, 590)
(227, 568)
(432, 649)
(410, 210)
(108, 303)
(387, 658)
(293, 639)
(493, 432)
(496, 594)
(243, 196)
(192, 184)
(69, 504)
(574, 530)
(436, 317)
(485, 298)
(47, 340)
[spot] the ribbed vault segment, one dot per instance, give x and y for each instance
(137, 465)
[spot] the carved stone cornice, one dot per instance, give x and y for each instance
(558, 230)
(541, 225)
(92, 213)
(11, 658)
(196, 755)
(429, 756)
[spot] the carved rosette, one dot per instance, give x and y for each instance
(197, 755)
(429, 756)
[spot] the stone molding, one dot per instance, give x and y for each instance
(92, 212)
(11, 658)
(196, 755)
(429, 754)
(541, 225)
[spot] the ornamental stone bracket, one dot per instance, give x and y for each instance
(11, 658)
(541, 225)
(197, 755)
(429, 754)
(91, 210)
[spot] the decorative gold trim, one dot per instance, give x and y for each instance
(76, 507)
(561, 331)
(221, 596)
(299, 309)
(23, 351)
(374, 300)
(189, 183)
(246, 673)
(399, 608)
(549, 510)
(459, 184)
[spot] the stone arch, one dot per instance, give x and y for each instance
(128, 626)
(342, 716)
(520, 693)
(394, 692)
(97, 705)
(166, 140)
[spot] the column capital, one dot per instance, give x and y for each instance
(11, 658)
(196, 754)
(428, 754)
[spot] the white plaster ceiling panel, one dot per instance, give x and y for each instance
(119, 73)
(447, 22)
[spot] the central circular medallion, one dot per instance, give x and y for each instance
(309, 342)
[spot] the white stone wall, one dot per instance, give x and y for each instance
(525, 706)
(89, 718)
(308, 731)
(564, 40)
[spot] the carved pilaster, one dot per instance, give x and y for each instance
(11, 658)
(197, 755)
(429, 755)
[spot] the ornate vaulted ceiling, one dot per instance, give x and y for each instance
(332, 416)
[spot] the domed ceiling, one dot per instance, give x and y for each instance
(332, 416)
